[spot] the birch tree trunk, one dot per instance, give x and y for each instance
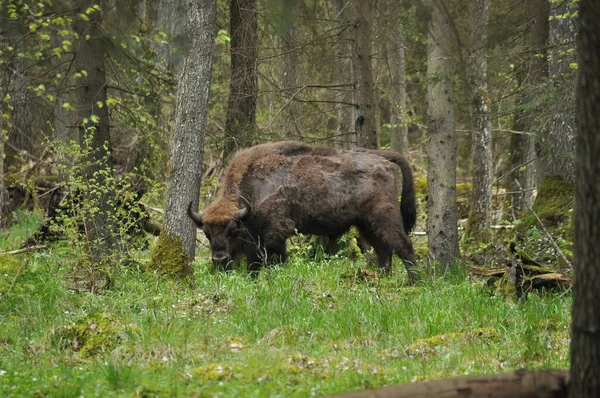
(290, 73)
(346, 133)
(585, 333)
(240, 122)
(176, 246)
(366, 118)
(399, 133)
(442, 224)
(478, 224)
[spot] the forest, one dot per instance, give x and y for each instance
(121, 119)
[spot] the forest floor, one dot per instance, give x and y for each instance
(309, 328)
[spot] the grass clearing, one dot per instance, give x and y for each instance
(304, 329)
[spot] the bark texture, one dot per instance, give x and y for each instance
(442, 220)
(346, 132)
(366, 117)
(480, 215)
(522, 146)
(397, 64)
(93, 120)
(3, 136)
(530, 384)
(290, 72)
(557, 144)
(188, 139)
(585, 334)
(240, 122)
(167, 15)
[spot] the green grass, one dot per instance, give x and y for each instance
(300, 330)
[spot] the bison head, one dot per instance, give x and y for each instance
(222, 233)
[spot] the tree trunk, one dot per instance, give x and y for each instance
(240, 122)
(442, 220)
(61, 118)
(480, 215)
(93, 122)
(290, 73)
(522, 146)
(177, 243)
(585, 333)
(523, 383)
(20, 135)
(399, 133)
(3, 134)
(366, 119)
(557, 143)
(346, 134)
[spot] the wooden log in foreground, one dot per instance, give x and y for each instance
(522, 383)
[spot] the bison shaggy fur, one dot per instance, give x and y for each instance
(272, 190)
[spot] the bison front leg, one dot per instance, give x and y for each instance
(276, 253)
(267, 255)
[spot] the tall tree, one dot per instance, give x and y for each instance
(522, 144)
(92, 120)
(478, 224)
(585, 332)
(290, 71)
(346, 134)
(557, 142)
(366, 107)
(397, 65)
(442, 219)
(240, 122)
(176, 246)
(3, 131)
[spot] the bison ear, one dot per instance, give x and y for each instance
(241, 214)
(197, 217)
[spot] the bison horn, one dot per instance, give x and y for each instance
(197, 217)
(242, 213)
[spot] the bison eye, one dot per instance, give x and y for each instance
(207, 234)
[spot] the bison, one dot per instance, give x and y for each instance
(272, 190)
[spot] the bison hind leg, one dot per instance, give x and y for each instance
(386, 234)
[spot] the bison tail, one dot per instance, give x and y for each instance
(408, 203)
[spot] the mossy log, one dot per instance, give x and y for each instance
(520, 279)
(522, 383)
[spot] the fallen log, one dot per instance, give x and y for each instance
(521, 383)
(24, 250)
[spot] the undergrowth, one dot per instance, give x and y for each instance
(308, 328)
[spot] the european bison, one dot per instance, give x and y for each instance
(272, 190)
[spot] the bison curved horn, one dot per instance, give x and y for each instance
(197, 217)
(242, 213)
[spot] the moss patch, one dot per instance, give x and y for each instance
(422, 347)
(10, 268)
(168, 256)
(99, 332)
(211, 372)
(554, 202)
